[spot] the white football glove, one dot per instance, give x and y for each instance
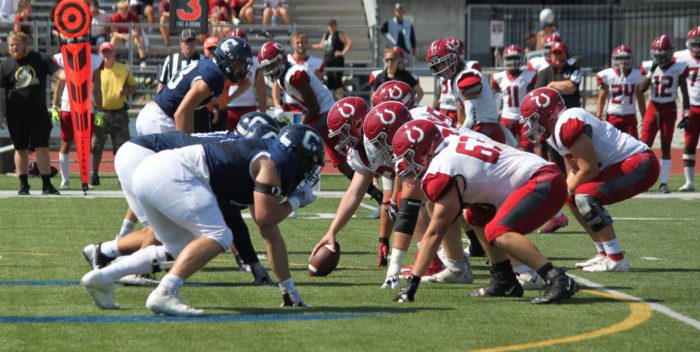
(301, 197)
(279, 114)
(391, 282)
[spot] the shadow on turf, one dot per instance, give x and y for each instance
(317, 309)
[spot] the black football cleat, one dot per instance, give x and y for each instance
(94, 179)
(23, 191)
(50, 190)
(559, 287)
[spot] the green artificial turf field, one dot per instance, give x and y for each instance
(44, 308)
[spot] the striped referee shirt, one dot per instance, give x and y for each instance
(175, 62)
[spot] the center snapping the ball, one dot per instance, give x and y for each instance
(324, 261)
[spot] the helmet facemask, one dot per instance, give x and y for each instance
(273, 68)
(407, 168)
(449, 68)
(662, 58)
(694, 47)
(622, 62)
(533, 129)
(378, 151)
(512, 62)
(346, 141)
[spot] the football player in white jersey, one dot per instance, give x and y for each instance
(513, 84)
(606, 166)
(300, 44)
(478, 108)
(508, 194)
(618, 89)
(445, 63)
(691, 58)
(664, 76)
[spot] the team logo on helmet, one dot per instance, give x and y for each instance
(418, 139)
(542, 104)
(346, 113)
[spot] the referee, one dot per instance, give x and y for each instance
(175, 62)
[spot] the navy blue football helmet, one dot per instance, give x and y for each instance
(263, 131)
(253, 118)
(308, 146)
(234, 58)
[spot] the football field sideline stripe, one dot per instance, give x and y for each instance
(640, 311)
(655, 306)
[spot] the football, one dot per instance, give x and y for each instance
(324, 261)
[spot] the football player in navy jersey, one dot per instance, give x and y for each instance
(179, 191)
(193, 86)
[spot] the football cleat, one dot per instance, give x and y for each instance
(293, 300)
(435, 267)
(141, 280)
(555, 224)
(687, 187)
(591, 261)
(50, 190)
(408, 292)
(23, 191)
(452, 276)
(499, 289)
(95, 257)
(530, 280)
(242, 266)
(391, 282)
(161, 301)
(102, 293)
(608, 265)
(65, 185)
(559, 286)
(94, 179)
(663, 188)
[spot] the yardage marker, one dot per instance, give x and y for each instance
(655, 306)
(640, 312)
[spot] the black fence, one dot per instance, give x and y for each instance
(589, 31)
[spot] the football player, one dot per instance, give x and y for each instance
(539, 63)
(606, 166)
(618, 85)
(691, 119)
(513, 84)
(180, 191)
(664, 75)
(508, 194)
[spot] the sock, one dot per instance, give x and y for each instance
(137, 263)
(287, 286)
(599, 247)
(110, 249)
(395, 262)
(455, 265)
(171, 283)
(545, 269)
(45, 181)
(375, 193)
(689, 172)
(665, 170)
(612, 248)
(127, 227)
(64, 163)
(24, 180)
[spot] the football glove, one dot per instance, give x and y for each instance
(99, 118)
(55, 115)
(408, 292)
(685, 121)
(280, 115)
(382, 253)
(392, 209)
(301, 197)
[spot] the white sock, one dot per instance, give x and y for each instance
(455, 265)
(171, 283)
(110, 249)
(612, 247)
(599, 247)
(127, 227)
(287, 286)
(689, 172)
(521, 268)
(665, 170)
(395, 262)
(137, 263)
(64, 163)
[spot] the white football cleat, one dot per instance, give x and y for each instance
(161, 301)
(530, 280)
(102, 292)
(142, 280)
(90, 252)
(391, 282)
(687, 187)
(455, 272)
(608, 265)
(591, 261)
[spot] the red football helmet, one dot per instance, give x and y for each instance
(693, 42)
(662, 50)
(238, 33)
(622, 58)
(379, 129)
(442, 60)
(512, 57)
(272, 59)
(539, 112)
(415, 145)
(456, 45)
(395, 91)
(549, 41)
(345, 122)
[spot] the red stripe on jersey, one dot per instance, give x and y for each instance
(299, 79)
(436, 185)
(570, 131)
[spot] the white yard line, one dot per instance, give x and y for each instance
(655, 306)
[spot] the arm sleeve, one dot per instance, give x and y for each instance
(299, 79)
(51, 65)
(576, 76)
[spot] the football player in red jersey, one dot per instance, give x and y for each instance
(606, 166)
(664, 76)
(508, 193)
(618, 86)
(691, 124)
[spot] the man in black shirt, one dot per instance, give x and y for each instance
(562, 76)
(394, 72)
(23, 101)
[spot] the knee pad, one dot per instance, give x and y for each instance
(407, 217)
(160, 259)
(593, 213)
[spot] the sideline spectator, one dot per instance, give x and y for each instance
(121, 35)
(24, 14)
(63, 116)
(98, 28)
(242, 10)
(336, 45)
(219, 17)
(399, 31)
(300, 44)
(395, 72)
(8, 9)
(117, 83)
(273, 11)
(143, 7)
(530, 42)
(23, 100)
(164, 10)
